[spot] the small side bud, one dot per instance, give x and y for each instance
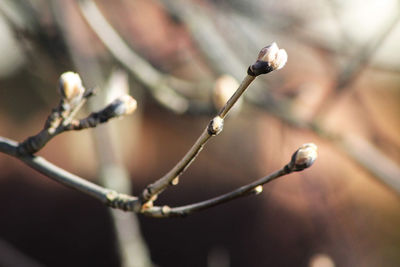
(304, 157)
(123, 105)
(70, 87)
(224, 88)
(216, 125)
(175, 181)
(165, 210)
(269, 59)
(258, 190)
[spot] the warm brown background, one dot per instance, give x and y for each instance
(336, 208)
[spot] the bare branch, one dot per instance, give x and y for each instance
(303, 158)
(109, 197)
(270, 58)
(165, 211)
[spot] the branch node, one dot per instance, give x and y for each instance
(120, 201)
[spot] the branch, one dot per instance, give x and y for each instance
(303, 158)
(270, 58)
(109, 197)
(61, 118)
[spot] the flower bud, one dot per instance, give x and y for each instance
(123, 105)
(224, 88)
(304, 157)
(270, 58)
(70, 87)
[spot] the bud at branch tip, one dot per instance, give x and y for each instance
(124, 105)
(269, 59)
(70, 87)
(304, 157)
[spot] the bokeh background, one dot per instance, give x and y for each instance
(340, 89)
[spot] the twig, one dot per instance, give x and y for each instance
(165, 211)
(61, 117)
(303, 158)
(214, 127)
(106, 196)
(270, 58)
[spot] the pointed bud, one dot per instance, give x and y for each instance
(224, 88)
(304, 157)
(270, 58)
(123, 105)
(70, 87)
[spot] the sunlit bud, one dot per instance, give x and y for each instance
(270, 58)
(304, 157)
(70, 87)
(224, 88)
(175, 181)
(258, 190)
(268, 53)
(165, 209)
(123, 105)
(216, 125)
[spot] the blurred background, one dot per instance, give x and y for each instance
(340, 89)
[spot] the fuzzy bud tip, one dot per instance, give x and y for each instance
(270, 58)
(70, 86)
(304, 157)
(124, 105)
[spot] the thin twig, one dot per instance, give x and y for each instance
(106, 196)
(165, 211)
(269, 58)
(165, 181)
(303, 158)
